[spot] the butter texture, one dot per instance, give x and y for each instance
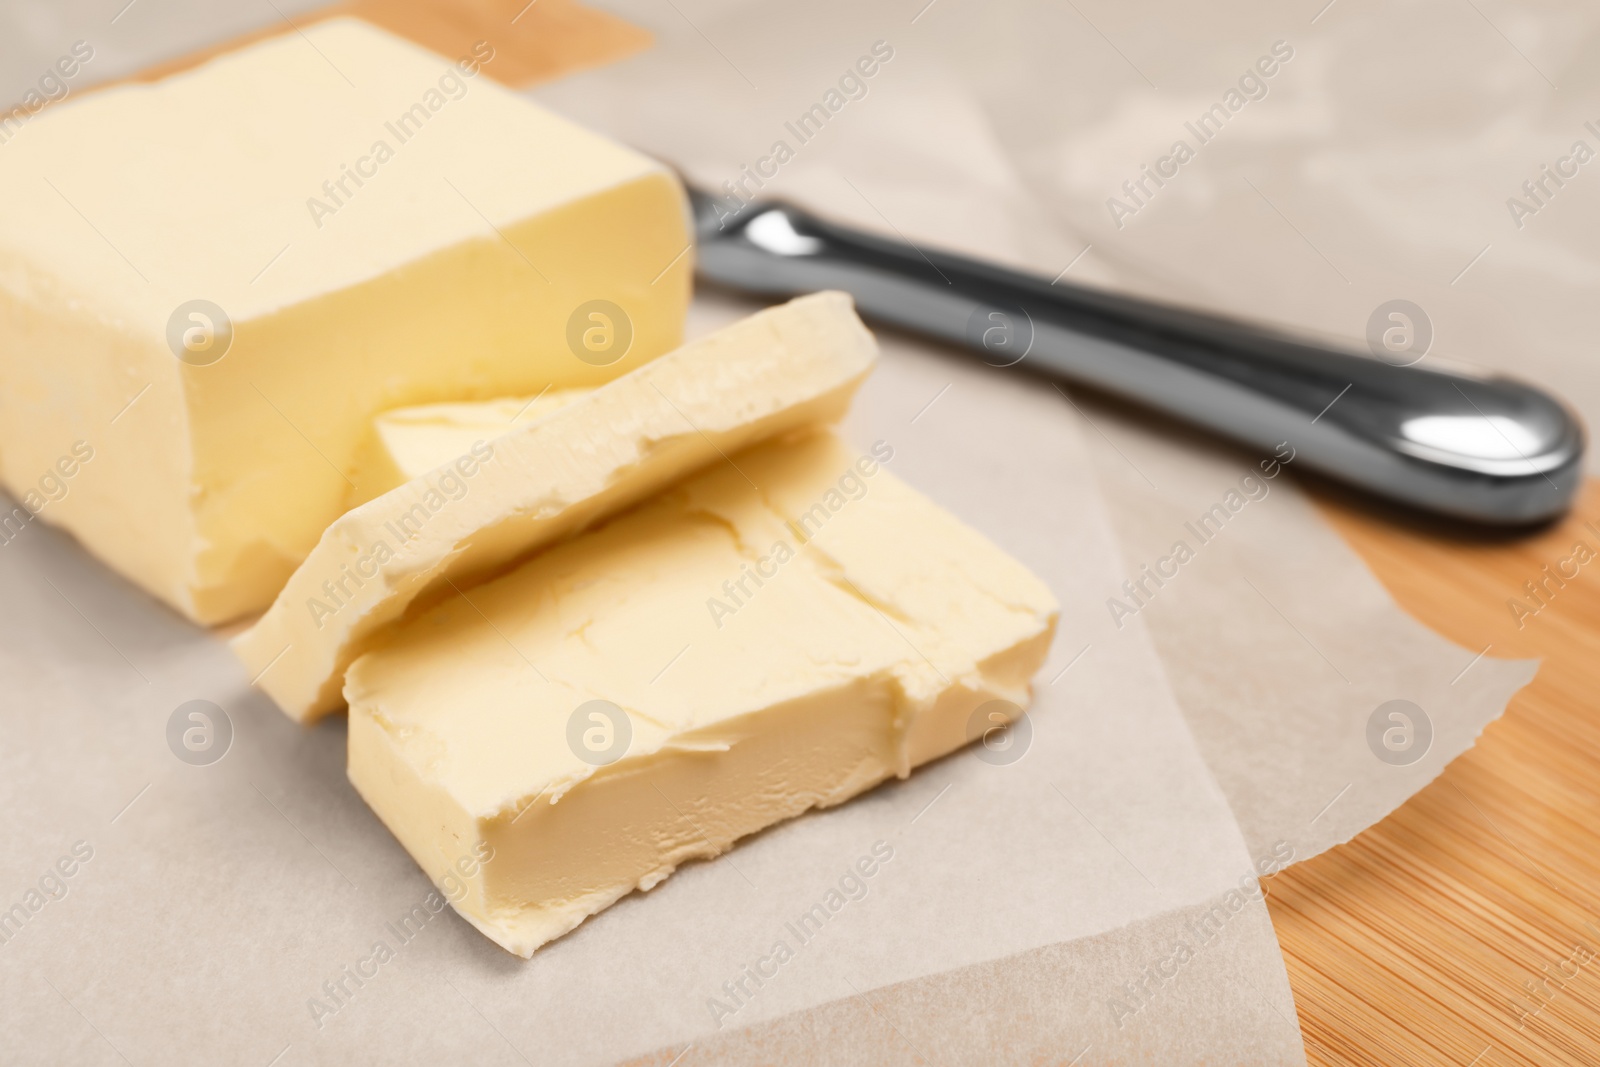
(218, 279)
(409, 442)
(780, 632)
(783, 368)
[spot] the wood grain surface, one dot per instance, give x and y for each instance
(1465, 927)
(534, 40)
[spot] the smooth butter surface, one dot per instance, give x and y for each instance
(873, 628)
(379, 227)
(779, 369)
(409, 442)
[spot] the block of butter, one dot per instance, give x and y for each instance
(496, 500)
(780, 632)
(215, 281)
(409, 442)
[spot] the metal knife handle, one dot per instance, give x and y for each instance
(1488, 449)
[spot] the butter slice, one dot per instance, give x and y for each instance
(380, 228)
(876, 629)
(409, 442)
(779, 369)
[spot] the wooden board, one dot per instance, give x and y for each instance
(533, 40)
(1465, 928)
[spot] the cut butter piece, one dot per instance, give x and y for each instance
(723, 658)
(779, 369)
(375, 224)
(409, 442)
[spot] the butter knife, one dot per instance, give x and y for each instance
(1483, 448)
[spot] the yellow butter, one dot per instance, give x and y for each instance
(784, 630)
(409, 442)
(366, 225)
(782, 368)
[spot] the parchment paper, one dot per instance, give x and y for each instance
(972, 137)
(1022, 899)
(1280, 644)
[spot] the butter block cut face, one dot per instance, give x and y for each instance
(409, 442)
(353, 224)
(780, 632)
(782, 368)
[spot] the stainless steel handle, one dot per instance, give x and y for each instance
(1487, 449)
